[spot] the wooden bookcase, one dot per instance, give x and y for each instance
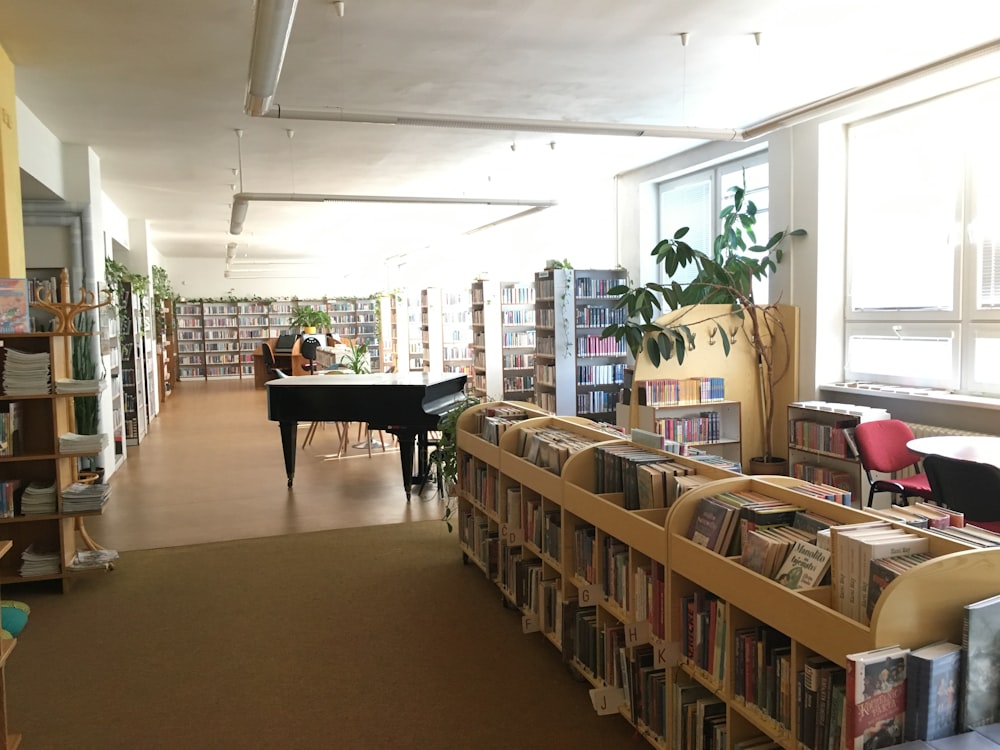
(165, 359)
(45, 418)
(816, 453)
(254, 328)
(135, 383)
(499, 491)
(728, 444)
(190, 341)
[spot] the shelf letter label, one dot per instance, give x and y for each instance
(637, 633)
(529, 623)
(590, 595)
(607, 700)
(512, 537)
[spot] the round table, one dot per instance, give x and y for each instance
(984, 449)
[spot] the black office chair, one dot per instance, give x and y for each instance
(969, 487)
(308, 349)
(269, 361)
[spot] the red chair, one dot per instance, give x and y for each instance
(882, 448)
(967, 486)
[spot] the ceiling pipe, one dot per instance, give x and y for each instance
(241, 202)
(272, 28)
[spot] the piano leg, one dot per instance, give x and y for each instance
(288, 430)
(406, 437)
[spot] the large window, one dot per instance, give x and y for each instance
(923, 245)
(695, 200)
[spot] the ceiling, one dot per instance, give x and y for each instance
(158, 90)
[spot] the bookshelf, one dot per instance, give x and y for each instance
(190, 341)
(456, 331)
(279, 317)
(414, 335)
(134, 366)
(818, 450)
(517, 339)
(111, 353)
(431, 330)
(221, 321)
(165, 359)
(254, 325)
(367, 323)
(578, 372)
(534, 534)
(388, 331)
(37, 458)
(713, 426)
(8, 741)
(487, 373)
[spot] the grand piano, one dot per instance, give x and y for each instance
(406, 405)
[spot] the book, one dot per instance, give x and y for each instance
(875, 711)
(713, 524)
(980, 696)
(933, 675)
(883, 572)
(14, 306)
(804, 567)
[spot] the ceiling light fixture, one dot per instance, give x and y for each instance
(272, 28)
(241, 202)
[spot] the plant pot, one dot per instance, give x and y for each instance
(309, 329)
(759, 466)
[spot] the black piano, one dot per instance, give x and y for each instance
(406, 405)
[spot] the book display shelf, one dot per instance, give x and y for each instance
(190, 341)
(713, 425)
(36, 459)
(610, 588)
(821, 444)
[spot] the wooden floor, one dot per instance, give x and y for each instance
(211, 469)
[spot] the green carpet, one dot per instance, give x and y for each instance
(373, 637)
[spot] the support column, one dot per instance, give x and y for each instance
(11, 225)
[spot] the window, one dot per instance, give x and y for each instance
(923, 245)
(695, 200)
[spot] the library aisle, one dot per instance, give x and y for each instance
(211, 470)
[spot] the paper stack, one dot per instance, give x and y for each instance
(69, 385)
(93, 559)
(38, 563)
(26, 374)
(71, 442)
(38, 497)
(80, 498)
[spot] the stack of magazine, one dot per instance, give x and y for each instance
(93, 559)
(80, 498)
(71, 442)
(26, 374)
(39, 497)
(38, 563)
(69, 385)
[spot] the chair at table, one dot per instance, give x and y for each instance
(969, 487)
(308, 349)
(269, 362)
(882, 448)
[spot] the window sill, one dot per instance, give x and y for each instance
(916, 395)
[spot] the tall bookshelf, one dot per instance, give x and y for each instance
(111, 352)
(566, 553)
(254, 328)
(279, 317)
(487, 370)
(190, 341)
(517, 324)
(456, 331)
(133, 372)
(38, 457)
(165, 358)
(367, 322)
(431, 331)
(221, 323)
(343, 316)
(389, 330)
(414, 336)
(577, 372)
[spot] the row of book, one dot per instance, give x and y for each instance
(675, 391)
(11, 428)
(828, 438)
(493, 421)
(549, 447)
(705, 427)
(645, 478)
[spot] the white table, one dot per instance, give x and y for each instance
(984, 449)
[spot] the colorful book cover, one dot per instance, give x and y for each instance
(805, 566)
(980, 692)
(933, 675)
(876, 698)
(14, 306)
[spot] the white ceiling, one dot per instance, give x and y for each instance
(158, 88)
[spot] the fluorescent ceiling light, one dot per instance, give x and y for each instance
(241, 201)
(272, 28)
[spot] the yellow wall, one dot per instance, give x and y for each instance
(11, 224)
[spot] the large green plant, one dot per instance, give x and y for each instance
(357, 359)
(308, 316)
(725, 275)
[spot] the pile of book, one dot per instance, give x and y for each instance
(80, 498)
(549, 447)
(38, 562)
(71, 442)
(38, 498)
(494, 421)
(645, 478)
(26, 373)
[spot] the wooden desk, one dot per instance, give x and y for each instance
(984, 449)
(290, 364)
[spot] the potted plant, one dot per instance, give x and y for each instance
(725, 275)
(446, 455)
(309, 318)
(357, 359)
